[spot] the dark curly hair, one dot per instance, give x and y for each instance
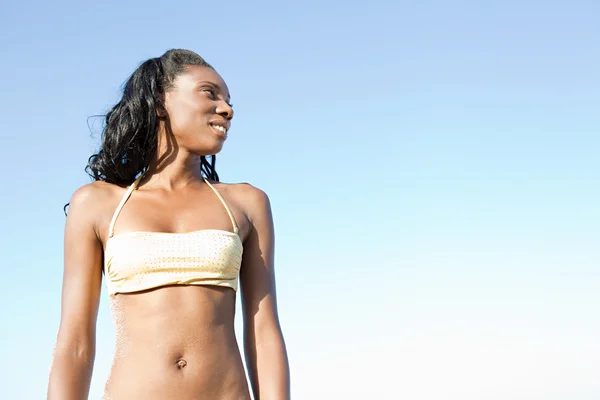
(129, 136)
(130, 131)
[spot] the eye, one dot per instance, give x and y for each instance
(211, 93)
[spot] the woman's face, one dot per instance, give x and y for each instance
(198, 110)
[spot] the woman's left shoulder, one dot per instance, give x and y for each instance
(243, 189)
(248, 196)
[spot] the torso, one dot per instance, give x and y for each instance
(175, 342)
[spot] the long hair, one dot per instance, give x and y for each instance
(130, 133)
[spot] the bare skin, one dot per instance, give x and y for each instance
(174, 342)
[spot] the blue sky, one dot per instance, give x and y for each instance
(433, 170)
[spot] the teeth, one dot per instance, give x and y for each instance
(221, 128)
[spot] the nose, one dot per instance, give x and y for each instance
(225, 110)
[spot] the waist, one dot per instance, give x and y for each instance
(194, 351)
(176, 342)
(209, 368)
(173, 340)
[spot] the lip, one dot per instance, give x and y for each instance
(221, 134)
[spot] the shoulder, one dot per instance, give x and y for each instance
(251, 192)
(246, 192)
(91, 203)
(253, 200)
(92, 195)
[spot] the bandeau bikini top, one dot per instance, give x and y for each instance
(136, 261)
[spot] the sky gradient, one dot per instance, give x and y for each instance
(432, 167)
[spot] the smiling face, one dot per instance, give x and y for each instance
(199, 110)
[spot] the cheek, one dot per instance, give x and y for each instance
(186, 115)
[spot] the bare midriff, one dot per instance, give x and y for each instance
(176, 342)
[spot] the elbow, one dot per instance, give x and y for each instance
(265, 341)
(81, 353)
(264, 333)
(73, 357)
(78, 354)
(81, 349)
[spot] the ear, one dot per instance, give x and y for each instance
(161, 111)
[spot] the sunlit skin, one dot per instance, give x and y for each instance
(175, 342)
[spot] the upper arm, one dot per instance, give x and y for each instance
(257, 274)
(82, 276)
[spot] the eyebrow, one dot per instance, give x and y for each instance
(216, 87)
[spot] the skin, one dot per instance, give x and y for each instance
(175, 342)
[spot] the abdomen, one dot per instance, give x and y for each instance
(176, 342)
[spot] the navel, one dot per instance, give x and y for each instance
(181, 363)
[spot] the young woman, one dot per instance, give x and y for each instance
(172, 243)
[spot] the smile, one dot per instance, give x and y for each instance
(220, 128)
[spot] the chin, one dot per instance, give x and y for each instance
(208, 151)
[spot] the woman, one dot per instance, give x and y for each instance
(171, 242)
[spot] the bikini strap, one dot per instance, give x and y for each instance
(235, 227)
(131, 188)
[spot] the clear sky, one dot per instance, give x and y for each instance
(433, 169)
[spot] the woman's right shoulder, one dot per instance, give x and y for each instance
(93, 194)
(93, 204)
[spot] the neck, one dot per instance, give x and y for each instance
(176, 174)
(172, 167)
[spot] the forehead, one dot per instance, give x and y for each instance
(195, 75)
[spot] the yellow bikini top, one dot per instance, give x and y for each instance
(135, 261)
